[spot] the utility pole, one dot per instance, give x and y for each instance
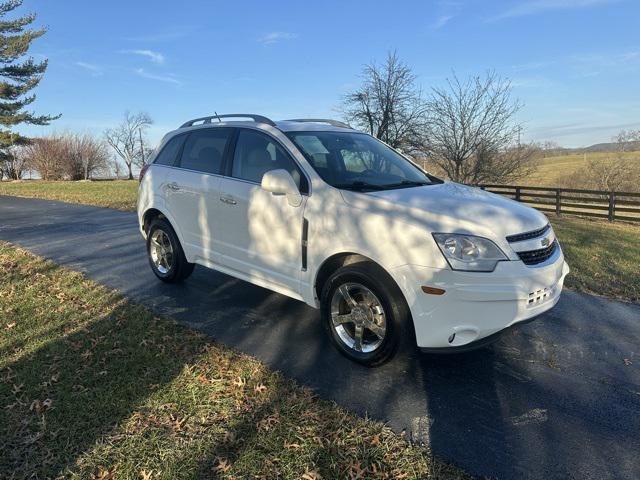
(519, 132)
(142, 147)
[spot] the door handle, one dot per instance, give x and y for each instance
(228, 200)
(173, 186)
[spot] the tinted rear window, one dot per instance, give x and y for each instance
(169, 154)
(204, 150)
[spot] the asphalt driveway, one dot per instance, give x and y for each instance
(553, 399)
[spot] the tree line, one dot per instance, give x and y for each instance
(466, 130)
(81, 156)
(71, 156)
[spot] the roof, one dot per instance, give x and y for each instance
(293, 126)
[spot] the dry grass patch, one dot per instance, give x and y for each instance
(92, 386)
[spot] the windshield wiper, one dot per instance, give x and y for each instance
(359, 186)
(407, 183)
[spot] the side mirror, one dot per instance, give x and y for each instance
(280, 182)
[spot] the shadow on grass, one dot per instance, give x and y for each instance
(130, 394)
(76, 388)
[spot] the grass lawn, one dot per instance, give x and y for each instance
(92, 386)
(119, 194)
(603, 256)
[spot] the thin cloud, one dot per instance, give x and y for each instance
(275, 37)
(587, 64)
(155, 57)
(94, 70)
(540, 6)
(160, 78)
(557, 131)
(441, 21)
(533, 65)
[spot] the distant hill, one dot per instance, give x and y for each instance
(608, 147)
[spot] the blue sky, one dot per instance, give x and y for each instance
(575, 64)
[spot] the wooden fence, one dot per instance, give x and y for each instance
(569, 201)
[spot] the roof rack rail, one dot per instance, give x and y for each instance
(255, 118)
(335, 123)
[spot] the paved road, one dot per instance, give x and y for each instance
(553, 399)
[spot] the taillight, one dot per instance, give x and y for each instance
(143, 170)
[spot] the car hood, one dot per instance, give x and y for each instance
(452, 208)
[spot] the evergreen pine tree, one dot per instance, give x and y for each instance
(18, 75)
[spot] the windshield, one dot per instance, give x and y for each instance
(357, 161)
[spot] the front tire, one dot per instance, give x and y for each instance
(166, 257)
(365, 314)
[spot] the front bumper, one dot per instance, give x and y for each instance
(478, 305)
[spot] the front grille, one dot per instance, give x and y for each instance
(528, 235)
(533, 257)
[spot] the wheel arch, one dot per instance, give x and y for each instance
(150, 215)
(339, 260)
(154, 212)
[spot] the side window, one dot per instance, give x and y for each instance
(204, 149)
(256, 154)
(169, 154)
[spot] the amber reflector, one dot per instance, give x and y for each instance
(433, 290)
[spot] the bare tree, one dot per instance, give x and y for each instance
(618, 172)
(627, 140)
(14, 162)
(84, 155)
(550, 149)
(128, 139)
(613, 174)
(45, 155)
(116, 168)
(389, 104)
(471, 132)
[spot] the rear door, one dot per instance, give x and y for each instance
(260, 233)
(192, 189)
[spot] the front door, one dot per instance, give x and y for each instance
(260, 233)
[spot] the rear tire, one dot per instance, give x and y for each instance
(165, 254)
(365, 314)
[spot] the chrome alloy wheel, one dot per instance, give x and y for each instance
(358, 318)
(161, 251)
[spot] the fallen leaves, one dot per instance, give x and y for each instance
(222, 465)
(311, 475)
(148, 474)
(41, 406)
(158, 400)
(105, 474)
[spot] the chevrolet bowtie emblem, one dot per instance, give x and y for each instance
(545, 242)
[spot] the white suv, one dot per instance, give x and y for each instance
(322, 213)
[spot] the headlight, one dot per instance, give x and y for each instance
(468, 252)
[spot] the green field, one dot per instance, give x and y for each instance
(119, 194)
(565, 171)
(92, 386)
(603, 255)
(552, 171)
